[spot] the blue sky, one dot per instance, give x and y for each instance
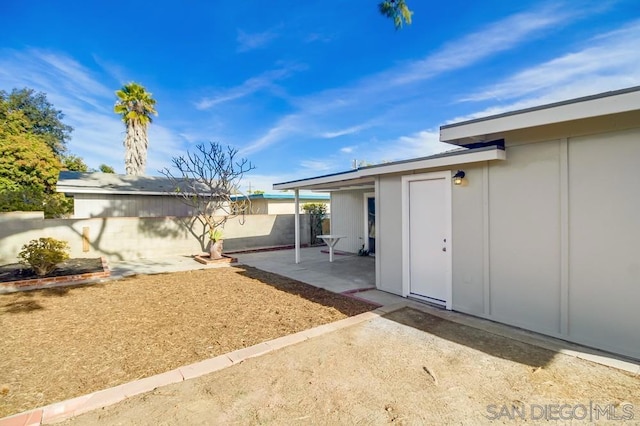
(302, 88)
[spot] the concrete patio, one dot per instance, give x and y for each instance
(346, 272)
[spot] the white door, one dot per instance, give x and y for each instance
(427, 239)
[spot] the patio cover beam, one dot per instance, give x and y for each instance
(366, 175)
(297, 223)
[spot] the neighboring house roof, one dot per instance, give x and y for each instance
(109, 183)
(282, 196)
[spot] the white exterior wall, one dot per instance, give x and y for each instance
(282, 206)
(548, 240)
(106, 205)
(524, 243)
(347, 219)
(289, 207)
(604, 241)
(389, 231)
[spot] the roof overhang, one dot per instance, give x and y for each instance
(114, 184)
(494, 127)
(364, 178)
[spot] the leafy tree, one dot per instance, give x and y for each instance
(396, 10)
(207, 181)
(74, 163)
(26, 160)
(136, 106)
(25, 111)
(29, 166)
(106, 169)
(28, 174)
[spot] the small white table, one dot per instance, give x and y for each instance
(331, 241)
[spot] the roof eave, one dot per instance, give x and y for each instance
(495, 126)
(347, 179)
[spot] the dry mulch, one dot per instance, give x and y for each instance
(64, 342)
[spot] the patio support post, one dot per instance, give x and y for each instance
(297, 223)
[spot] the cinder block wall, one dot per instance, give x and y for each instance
(124, 238)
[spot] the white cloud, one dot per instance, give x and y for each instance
(343, 132)
(346, 150)
(614, 54)
(608, 62)
(285, 127)
(251, 41)
(317, 166)
(266, 80)
(493, 39)
(420, 144)
(404, 83)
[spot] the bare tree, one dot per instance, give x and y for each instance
(208, 180)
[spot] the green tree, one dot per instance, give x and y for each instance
(28, 175)
(135, 105)
(74, 163)
(397, 10)
(106, 169)
(32, 113)
(29, 166)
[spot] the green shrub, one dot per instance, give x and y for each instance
(44, 254)
(317, 212)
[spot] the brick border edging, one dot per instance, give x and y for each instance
(63, 410)
(40, 283)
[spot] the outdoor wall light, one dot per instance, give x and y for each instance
(457, 178)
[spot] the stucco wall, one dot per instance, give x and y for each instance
(524, 212)
(389, 227)
(347, 218)
(604, 240)
(470, 212)
(130, 238)
(548, 239)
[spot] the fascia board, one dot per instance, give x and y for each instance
(477, 129)
(348, 178)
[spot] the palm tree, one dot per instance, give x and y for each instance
(396, 10)
(135, 105)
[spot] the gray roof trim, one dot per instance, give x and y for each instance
(109, 183)
(455, 151)
(542, 107)
(445, 159)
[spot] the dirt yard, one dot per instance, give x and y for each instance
(406, 368)
(65, 342)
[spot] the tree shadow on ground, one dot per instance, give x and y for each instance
(489, 343)
(21, 306)
(344, 304)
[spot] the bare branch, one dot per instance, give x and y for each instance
(208, 180)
